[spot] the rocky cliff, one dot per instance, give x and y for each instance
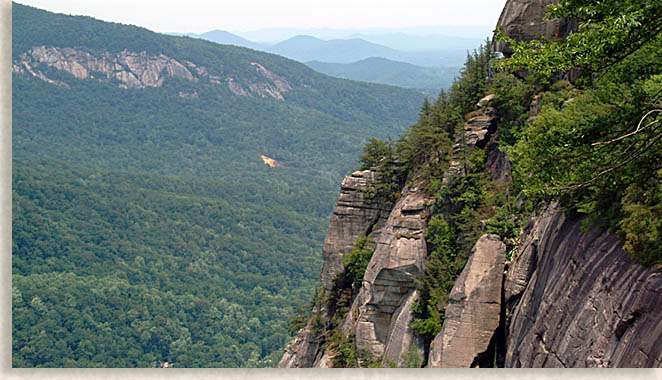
(568, 298)
(523, 20)
(576, 299)
(563, 294)
(139, 70)
(380, 315)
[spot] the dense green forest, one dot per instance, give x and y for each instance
(145, 226)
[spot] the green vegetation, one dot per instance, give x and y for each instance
(386, 71)
(608, 32)
(472, 203)
(146, 227)
(597, 147)
(357, 261)
(101, 258)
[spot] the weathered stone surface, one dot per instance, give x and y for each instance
(576, 299)
(402, 339)
(139, 70)
(472, 314)
(302, 350)
(522, 20)
(352, 217)
(133, 70)
(477, 131)
(497, 164)
(390, 278)
(485, 101)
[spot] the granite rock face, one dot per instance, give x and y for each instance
(522, 20)
(467, 338)
(387, 292)
(476, 133)
(132, 70)
(576, 299)
(140, 70)
(352, 217)
(302, 351)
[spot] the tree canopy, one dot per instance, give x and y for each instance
(608, 31)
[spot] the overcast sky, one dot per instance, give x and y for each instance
(197, 16)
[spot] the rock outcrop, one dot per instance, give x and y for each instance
(353, 217)
(523, 20)
(568, 298)
(132, 70)
(387, 292)
(468, 337)
(476, 132)
(576, 299)
(140, 70)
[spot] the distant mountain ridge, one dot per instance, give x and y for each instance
(225, 38)
(385, 71)
(427, 51)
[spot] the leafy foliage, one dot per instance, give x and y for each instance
(608, 32)
(106, 253)
(441, 269)
(597, 148)
(357, 261)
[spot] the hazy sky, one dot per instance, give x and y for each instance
(199, 16)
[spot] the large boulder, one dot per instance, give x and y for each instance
(467, 338)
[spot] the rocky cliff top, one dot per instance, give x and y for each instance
(523, 20)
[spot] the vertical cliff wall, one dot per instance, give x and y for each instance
(522, 20)
(353, 216)
(576, 299)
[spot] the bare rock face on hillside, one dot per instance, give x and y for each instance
(140, 70)
(476, 133)
(353, 217)
(132, 70)
(388, 290)
(522, 20)
(576, 299)
(467, 338)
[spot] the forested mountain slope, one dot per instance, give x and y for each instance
(146, 226)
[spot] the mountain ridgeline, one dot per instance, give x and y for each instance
(517, 223)
(382, 70)
(146, 226)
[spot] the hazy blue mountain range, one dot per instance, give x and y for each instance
(382, 70)
(430, 42)
(424, 62)
(146, 227)
(429, 51)
(273, 35)
(226, 38)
